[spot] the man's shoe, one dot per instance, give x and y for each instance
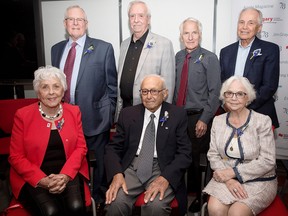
(195, 206)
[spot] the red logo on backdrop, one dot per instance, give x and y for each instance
(267, 19)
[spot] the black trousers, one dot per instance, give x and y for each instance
(199, 145)
(97, 143)
(40, 202)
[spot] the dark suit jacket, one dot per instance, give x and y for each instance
(172, 143)
(262, 71)
(96, 87)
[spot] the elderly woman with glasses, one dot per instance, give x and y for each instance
(241, 154)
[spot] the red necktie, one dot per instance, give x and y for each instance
(68, 68)
(183, 83)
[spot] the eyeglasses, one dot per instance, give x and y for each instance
(239, 94)
(72, 20)
(152, 91)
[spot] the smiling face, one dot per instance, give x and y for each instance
(139, 20)
(190, 35)
(75, 23)
(233, 103)
(50, 93)
(153, 102)
(248, 26)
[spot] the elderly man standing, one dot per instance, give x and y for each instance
(90, 69)
(141, 54)
(126, 155)
(197, 91)
(255, 59)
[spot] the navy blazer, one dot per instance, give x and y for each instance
(262, 71)
(172, 144)
(96, 87)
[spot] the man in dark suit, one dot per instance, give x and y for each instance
(171, 157)
(255, 59)
(93, 87)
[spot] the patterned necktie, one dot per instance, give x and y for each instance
(145, 160)
(68, 68)
(183, 83)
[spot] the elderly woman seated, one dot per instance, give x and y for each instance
(242, 155)
(48, 151)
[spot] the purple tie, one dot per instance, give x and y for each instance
(183, 82)
(68, 68)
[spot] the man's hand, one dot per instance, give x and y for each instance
(159, 185)
(117, 182)
(200, 128)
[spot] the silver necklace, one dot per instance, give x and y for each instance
(50, 117)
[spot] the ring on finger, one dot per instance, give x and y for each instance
(235, 190)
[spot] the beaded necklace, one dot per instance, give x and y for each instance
(50, 117)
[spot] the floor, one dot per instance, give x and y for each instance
(282, 190)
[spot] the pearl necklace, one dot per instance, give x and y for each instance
(50, 117)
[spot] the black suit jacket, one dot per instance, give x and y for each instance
(96, 87)
(172, 144)
(262, 71)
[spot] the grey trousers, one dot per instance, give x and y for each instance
(124, 204)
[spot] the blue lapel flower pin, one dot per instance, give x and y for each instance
(89, 50)
(197, 61)
(150, 44)
(60, 124)
(164, 118)
(255, 53)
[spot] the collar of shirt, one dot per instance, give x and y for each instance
(147, 117)
(249, 45)
(142, 39)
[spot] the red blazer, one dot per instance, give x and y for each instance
(29, 140)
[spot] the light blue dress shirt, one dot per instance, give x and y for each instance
(79, 50)
(242, 55)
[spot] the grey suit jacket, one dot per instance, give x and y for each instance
(96, 87)
(157, 57)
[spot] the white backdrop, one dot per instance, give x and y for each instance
(103, 17)
(275, 29)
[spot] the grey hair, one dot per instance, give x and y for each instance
(260, 15)
(155, 76)
(48, 72)
(74, 6)
(139, 2)
(251, 93)
(198, 23)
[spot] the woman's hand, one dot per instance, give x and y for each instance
(236, 189)
(44, 182)
(223, 175)
(57, 183)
